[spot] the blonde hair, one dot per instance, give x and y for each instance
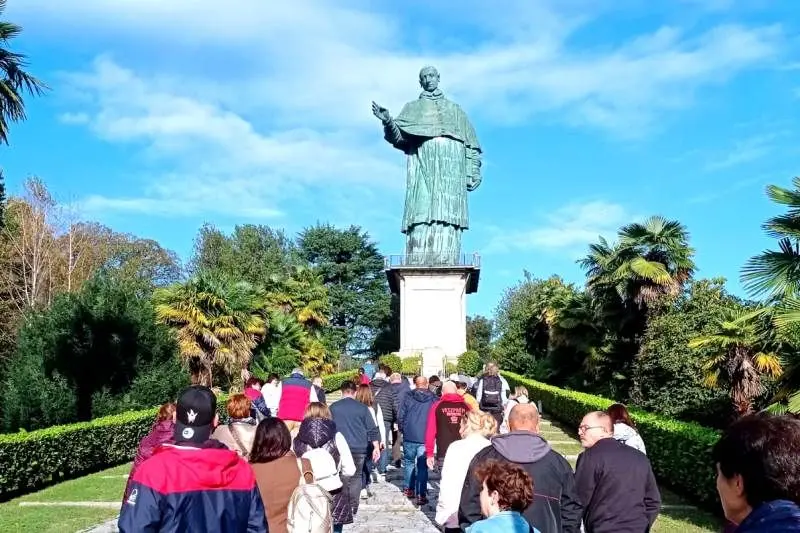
(478, 422)
(364, 395)
(492, 369)
(520, 390)
(318, 410)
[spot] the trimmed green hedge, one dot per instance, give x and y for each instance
(32, 460)
(680, 452)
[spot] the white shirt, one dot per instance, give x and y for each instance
(376, 416)
(272, 396)
(454, 474)
(346, 465)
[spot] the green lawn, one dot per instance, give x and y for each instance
(105, 486)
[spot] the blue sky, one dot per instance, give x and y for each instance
(592, 114)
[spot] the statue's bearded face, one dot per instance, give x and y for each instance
(429, 79)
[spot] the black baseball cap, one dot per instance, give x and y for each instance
(194, 415)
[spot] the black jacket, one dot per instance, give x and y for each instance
(386, 397)
(555, 507)
(617, 487)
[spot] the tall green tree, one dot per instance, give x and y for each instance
(87, 341)
(251, 253)
(352, 269)
(15, 83)
(217, 322)
(650, 261)
(479, 335)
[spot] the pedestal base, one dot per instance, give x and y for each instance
(433, 311)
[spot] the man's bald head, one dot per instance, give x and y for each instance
(449, 387)
(421, 382)
(524, 417)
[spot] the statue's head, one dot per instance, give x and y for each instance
(429, 78)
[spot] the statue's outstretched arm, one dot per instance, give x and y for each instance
(393, 135)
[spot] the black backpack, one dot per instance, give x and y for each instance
(492, 397)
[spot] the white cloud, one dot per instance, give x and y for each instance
(278, 94)
(569, 229)
(74, 118)
(746, 151)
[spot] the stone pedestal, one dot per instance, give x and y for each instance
(433, 310)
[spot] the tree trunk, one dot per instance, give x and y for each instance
(83, 403)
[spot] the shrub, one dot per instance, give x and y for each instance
(33, 459)
(334, 381)
(411, 366)
(469, 363)
(392, 361)
(679, 451)
(450, 368)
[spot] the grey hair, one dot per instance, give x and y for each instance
(428, 67)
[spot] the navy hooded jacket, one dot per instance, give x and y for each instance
(412, 419)
(779, 516)
(188, 488)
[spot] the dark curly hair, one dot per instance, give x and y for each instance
(513, 484)
(763, 450)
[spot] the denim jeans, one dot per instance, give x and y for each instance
(354, 482)
(383, 462)
(369, 466)
(415, 468)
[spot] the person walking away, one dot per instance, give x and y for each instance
(276, 470)
(320, 389)
(258, 407)
(615, 482)
(317, 433)
(386, 396)
(507, 490)
(163, 431)
(400, 387)
(556, 508)
(271, 391)
(469, 399)
(197, 483)
(624, 428)
(364, 395)
(296, 393)
(492, 391)
(477, 428)
(354, 420)
(758, 473)
(435, 385)
(520, 396)
(444, 424)
(413, 420)
(239, 432)
(363, 377)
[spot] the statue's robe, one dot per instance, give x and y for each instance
(444, 162)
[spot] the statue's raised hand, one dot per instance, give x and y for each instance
(381, 112)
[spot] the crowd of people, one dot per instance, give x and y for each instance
(286, 461)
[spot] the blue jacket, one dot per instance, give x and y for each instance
(412, 419)
(502, 522)
(188, 488)
(778, 516)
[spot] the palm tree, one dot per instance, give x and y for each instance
(775, 276)
(14, 81)
(217, 322)
(739, 358)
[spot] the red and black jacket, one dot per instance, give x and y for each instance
(187, 488)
